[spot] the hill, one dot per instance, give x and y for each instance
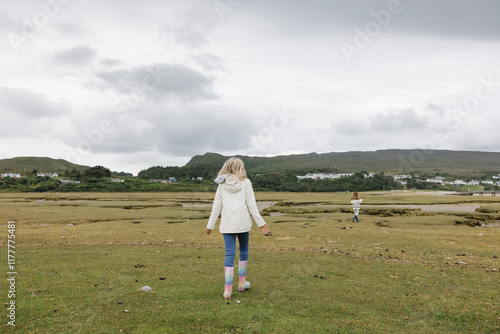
(388, 161)
(25, 165)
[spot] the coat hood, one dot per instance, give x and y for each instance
(230, 183)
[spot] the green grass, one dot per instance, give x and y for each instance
(421, 274)
(78, 289)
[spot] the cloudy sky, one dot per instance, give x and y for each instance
(134, 84)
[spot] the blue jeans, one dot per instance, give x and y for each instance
(230, 241)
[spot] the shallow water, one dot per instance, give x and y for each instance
(437, 207)
(430, 208)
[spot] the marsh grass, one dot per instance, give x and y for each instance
(81, 259)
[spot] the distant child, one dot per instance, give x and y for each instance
(235, 197)
(356, 205)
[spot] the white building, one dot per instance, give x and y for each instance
(158, 180)
(47, 174)
(401, 177)
(13, 175)
(115, 180)
(63, 182)
(437, 179)
(457, 182)
(323, 176)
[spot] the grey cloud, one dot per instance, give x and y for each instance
(396, 121)
(27, 103)
(176, 130)
(435, 108)
(190, 37)
(187, 36)
(6, 21)
(160, 82)
(209, 62)
(71, 28)
(192, 27)
(458, 19)
(382, 123)
(200, 139)
(26, 114)
(111, 62)
(75, 56)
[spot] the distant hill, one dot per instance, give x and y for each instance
(388, 161)
(25, 165)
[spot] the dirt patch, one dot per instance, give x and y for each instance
(260, 205)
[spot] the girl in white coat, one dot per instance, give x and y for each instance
(356, 205)
(235, 198)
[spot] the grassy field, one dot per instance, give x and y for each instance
(81, 259)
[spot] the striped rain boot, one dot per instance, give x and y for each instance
(228, 278)
(242, 273)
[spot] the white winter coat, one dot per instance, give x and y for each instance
(235, 199)
(356, 203)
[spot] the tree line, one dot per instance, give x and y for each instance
(287, 181)
(98, 179)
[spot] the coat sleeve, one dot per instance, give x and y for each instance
(216, 209)
(252, 204)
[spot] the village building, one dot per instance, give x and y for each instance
(401, 177)
(47, 174)
(436, 179)
(158, 180)
(323, 176)
(116, 180)
(13, 175)
(65, 182)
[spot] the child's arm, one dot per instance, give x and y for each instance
(254, 211)
(264, 229)
(216, 209)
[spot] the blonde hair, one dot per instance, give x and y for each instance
(355, 196)
(234, 166)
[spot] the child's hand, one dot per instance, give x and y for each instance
(264, 229)
(208, 231)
